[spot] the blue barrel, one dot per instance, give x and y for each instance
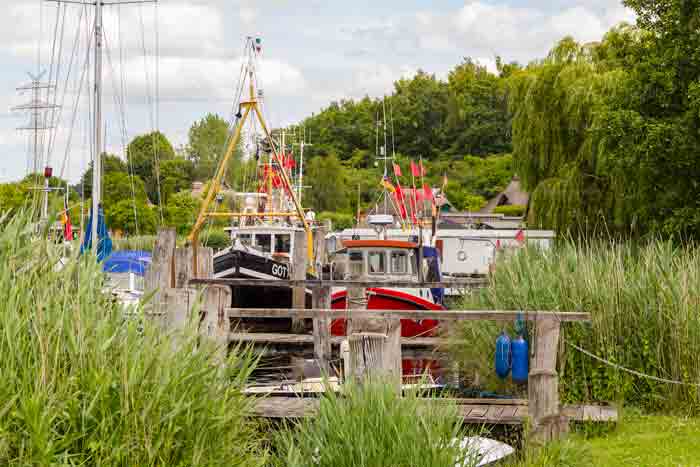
(520, 355)
(503, 354)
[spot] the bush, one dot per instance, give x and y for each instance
(216, 239)
(338, 220)
(515, 210)
(83, 386)
(643, 300)
(374, 427)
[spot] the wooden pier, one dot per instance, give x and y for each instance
(181, 289)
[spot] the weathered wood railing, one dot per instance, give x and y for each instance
(176, 289)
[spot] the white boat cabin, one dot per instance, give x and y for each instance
(276, 241)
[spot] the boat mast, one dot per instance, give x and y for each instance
(97, 158)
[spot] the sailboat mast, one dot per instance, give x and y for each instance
(97, 159)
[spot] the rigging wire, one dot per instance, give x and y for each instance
(52, 63)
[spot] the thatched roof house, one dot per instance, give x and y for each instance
(513, 195)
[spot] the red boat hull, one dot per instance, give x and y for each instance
(390, 299)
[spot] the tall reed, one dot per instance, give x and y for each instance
(374, 427)
(83, 386)
(644, 301)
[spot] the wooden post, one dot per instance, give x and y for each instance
(543, 385)
(183, 265)
(215, 324)
(160, 274)
(322, 329)
(299, 266)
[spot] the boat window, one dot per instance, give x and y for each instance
(246, 239)
(263, 242)
(376, 262)
(283, 243)
(399, 262)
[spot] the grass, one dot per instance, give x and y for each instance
(374, 427)
(644, 302)
(639, 440)
(83, 386)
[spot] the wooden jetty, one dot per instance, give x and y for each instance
(181, 288)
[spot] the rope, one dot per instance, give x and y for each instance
(633, 372)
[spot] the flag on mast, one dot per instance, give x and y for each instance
(415, 171)
(397, 169)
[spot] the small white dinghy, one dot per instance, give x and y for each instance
(484, 451)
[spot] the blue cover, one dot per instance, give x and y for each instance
(128, 261)
(520, 359)
(104, 243)
(503, 355)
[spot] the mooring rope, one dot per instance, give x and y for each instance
(633, 372)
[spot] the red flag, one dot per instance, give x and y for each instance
(397, 170)
(414, 220)
(414, 169)
(398, 196)
(498, 243)
(520, 237)
(428, 192)
(289, 162)
(418, 194)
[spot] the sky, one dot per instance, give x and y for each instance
(168, 65)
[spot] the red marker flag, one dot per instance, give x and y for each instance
(397, 170)
(428, 192)
(414, 169)
(65, 219)
(520, 237)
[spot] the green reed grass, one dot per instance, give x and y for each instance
(80, 385)
(373, 427)
(645, 307)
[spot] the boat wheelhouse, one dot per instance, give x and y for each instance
(384, 261)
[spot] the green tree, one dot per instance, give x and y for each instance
(207, 138)
(120, 216)
(329, 180)
(110, 163)
(143, 153)
(117, 187)
(175, 175)
(181, 211)
(13, 196)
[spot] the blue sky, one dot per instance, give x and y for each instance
(314, 52)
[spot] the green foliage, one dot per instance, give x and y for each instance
(142, 154)
(13, 196)
(83, 386)
(110, 164)
(514, 210)
(175, 175)
(181, 211)
(374, 427)
(329, 184)
(131, 218)
(643, 301)
(207, 138)
(339, 220)
(119, 186)
(216, 239)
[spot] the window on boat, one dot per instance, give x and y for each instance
(283, 243)
(376, 262)
(356, 262)
(246, 239)
(263, 242)
(399, 262)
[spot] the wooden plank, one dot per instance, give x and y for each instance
(267, 338)
(443, 315)
(322, 329)
(543, 382)
(215, 324)
(310, 283)
(299, 266)
(160, 275)
(297, 407)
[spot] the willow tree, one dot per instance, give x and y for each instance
(561, 153)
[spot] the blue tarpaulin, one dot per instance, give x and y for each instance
(104, 243)
(128, 261)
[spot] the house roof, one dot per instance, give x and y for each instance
(512, 195)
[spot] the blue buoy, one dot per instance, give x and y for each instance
(520, 356)
(503, 355)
